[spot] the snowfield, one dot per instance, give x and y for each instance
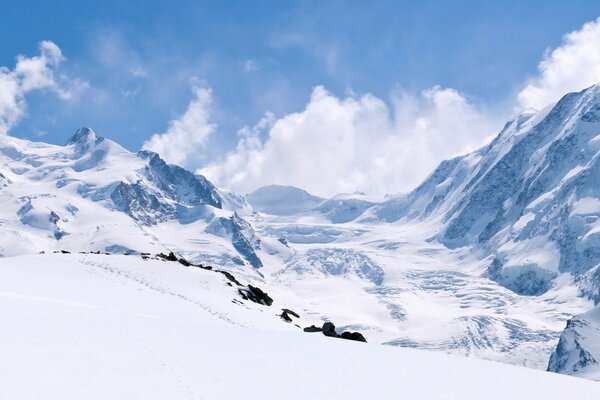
(99, 327)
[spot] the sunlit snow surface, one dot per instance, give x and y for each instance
(106, 327)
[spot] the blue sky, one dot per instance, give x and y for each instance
(136, 66)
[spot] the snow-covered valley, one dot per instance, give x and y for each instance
(488, 258)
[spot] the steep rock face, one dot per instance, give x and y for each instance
(163, 192)
(242, 236)
(179, 184)
(578, 351)
(530, 197)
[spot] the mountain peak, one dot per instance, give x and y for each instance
(82, 135)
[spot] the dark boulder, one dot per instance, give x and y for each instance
(329, 329)
(256, 295)
(353, 336)
(358, 337)
(184, 262)
(312, 328)
(290, 312)
(284, 316)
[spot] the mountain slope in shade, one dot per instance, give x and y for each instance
(578, 351)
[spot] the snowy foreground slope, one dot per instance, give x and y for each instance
(98, 327)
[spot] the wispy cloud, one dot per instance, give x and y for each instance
(250, 65)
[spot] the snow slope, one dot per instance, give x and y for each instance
(97, 327)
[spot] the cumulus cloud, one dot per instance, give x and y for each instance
(343, 144)
(186, 135)
(29, 74)
(570, 67)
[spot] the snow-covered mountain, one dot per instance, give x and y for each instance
(530, 198)
(283, 200)
(94, 195)
(489, 257)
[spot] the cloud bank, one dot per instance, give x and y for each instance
(186, 135)
(573, 66)
(344, 144)
(29, 74)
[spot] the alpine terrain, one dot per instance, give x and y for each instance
(116, 261)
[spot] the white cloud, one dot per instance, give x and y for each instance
(354, 143)
(186, 136)
(573, 66)
(29, 74)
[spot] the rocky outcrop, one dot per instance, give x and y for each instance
(578, 350)
(328, 329)
(256, 295)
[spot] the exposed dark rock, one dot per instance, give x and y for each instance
(357, 336)
(284, 316)
(256, 295)
(290, 312)
(312, 328)
(227, 275)
(184, 262)
(329, 329)
(170, 257)
(263, 297)
(65, 252)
